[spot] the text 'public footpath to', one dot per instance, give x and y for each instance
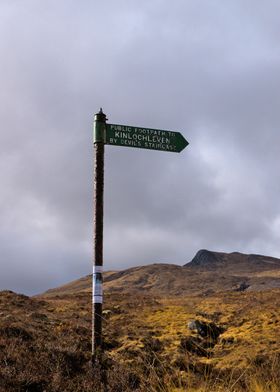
(141, 138)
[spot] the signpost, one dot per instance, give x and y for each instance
(152, 139)
(126, 136)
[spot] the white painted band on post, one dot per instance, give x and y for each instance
(97, 285)
(97, 269)
(97, 288)
(98, 299)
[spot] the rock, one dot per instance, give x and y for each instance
(107, 312)
(192, 325)
(205, 330)
(242, 287)
(206, 258)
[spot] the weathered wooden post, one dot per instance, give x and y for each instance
(99, 134)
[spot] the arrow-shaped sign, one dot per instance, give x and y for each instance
(153, 139)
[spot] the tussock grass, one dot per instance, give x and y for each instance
(45, 344)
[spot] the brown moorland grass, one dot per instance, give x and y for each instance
(45, 343)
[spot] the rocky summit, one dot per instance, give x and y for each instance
(235, 260)
(207, 258)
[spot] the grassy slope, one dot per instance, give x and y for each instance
(45, 342)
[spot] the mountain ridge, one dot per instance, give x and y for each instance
(206, 258)
(208, 272)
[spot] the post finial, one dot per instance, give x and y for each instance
(100, 116)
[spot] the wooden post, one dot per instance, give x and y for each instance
(99, 133)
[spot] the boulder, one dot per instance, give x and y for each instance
(205, 329)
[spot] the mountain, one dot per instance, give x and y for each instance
(208, 272)
(211, 325)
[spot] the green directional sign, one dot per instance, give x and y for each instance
(153, 139)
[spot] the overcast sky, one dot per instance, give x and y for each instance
(208, 69)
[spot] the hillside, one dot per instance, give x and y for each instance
(208, 272)
(211, 325)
